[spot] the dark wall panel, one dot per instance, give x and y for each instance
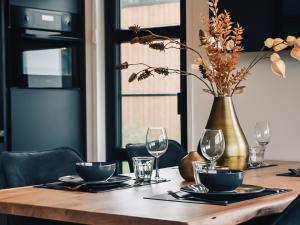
(264, 18)
(46, 118)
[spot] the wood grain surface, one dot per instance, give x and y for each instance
(127, 207)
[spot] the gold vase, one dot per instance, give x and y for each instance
(223, 116)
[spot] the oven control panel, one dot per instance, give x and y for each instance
(43, 19)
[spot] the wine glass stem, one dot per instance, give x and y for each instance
(157, 171)
(264, 146)
(213, 164)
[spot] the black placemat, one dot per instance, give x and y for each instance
(265, 165)
(288, 174)
(93, 189)
(215, 200)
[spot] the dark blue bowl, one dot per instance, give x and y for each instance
(222, 180)
(95, 171)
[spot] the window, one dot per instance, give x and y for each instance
(149, 13)
(133, 107)
(152, 102)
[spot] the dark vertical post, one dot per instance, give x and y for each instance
(183, 81)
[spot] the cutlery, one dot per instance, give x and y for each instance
(193, 198)
(295, 171)
(277, 190)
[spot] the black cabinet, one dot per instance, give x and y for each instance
(72, 6)
(263, 19)
(46, 119)
(2, 73)
(39, 117)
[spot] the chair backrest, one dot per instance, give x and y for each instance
(30, 168)
(173, 155)
(291, 215)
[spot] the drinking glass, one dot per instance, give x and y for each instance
(198, 167)
(212, 145)
(256, 156)
(143, 167)
(157, 144)
(262, 133)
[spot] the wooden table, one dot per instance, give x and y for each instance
(127, 207)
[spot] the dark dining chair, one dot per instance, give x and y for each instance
(173, 155)
(291, 215)
(30, 168)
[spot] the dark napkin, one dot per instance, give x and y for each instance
(215, 200)
(264, 165)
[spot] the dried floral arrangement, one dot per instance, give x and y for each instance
(222, 40)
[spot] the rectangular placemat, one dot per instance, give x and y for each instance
(215, 201)
(96, 189)
(260, 167)
(288, 174)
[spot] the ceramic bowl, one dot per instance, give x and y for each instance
(95, 171)
(222, 180)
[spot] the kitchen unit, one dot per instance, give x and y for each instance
(43, 75)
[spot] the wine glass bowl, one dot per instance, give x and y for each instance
(157, 148)
(157, 145)
(212, 145)
(262, 133)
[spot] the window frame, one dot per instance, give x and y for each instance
(114, 37)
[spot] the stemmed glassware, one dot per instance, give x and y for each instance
(212, 145)
(157, 144)
(263, 138)
(262, 133)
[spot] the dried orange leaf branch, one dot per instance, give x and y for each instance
(222, 40)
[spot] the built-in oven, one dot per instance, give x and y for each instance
(46, 48)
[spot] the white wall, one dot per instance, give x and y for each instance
(266, 97)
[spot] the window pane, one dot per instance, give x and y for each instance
(149, 13)
(141, 53)
(139, 113)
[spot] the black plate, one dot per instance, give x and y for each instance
(110, 182)
(201, 191)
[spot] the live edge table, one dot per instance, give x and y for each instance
(127, 206)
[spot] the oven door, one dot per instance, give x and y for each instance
(46, 63)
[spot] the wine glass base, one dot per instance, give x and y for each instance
(159, 179)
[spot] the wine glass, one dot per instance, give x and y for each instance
(157, 144)
(212, 145)
(262, 133)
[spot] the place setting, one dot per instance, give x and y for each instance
(92, 177)
(100, 176)
(215, 184)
